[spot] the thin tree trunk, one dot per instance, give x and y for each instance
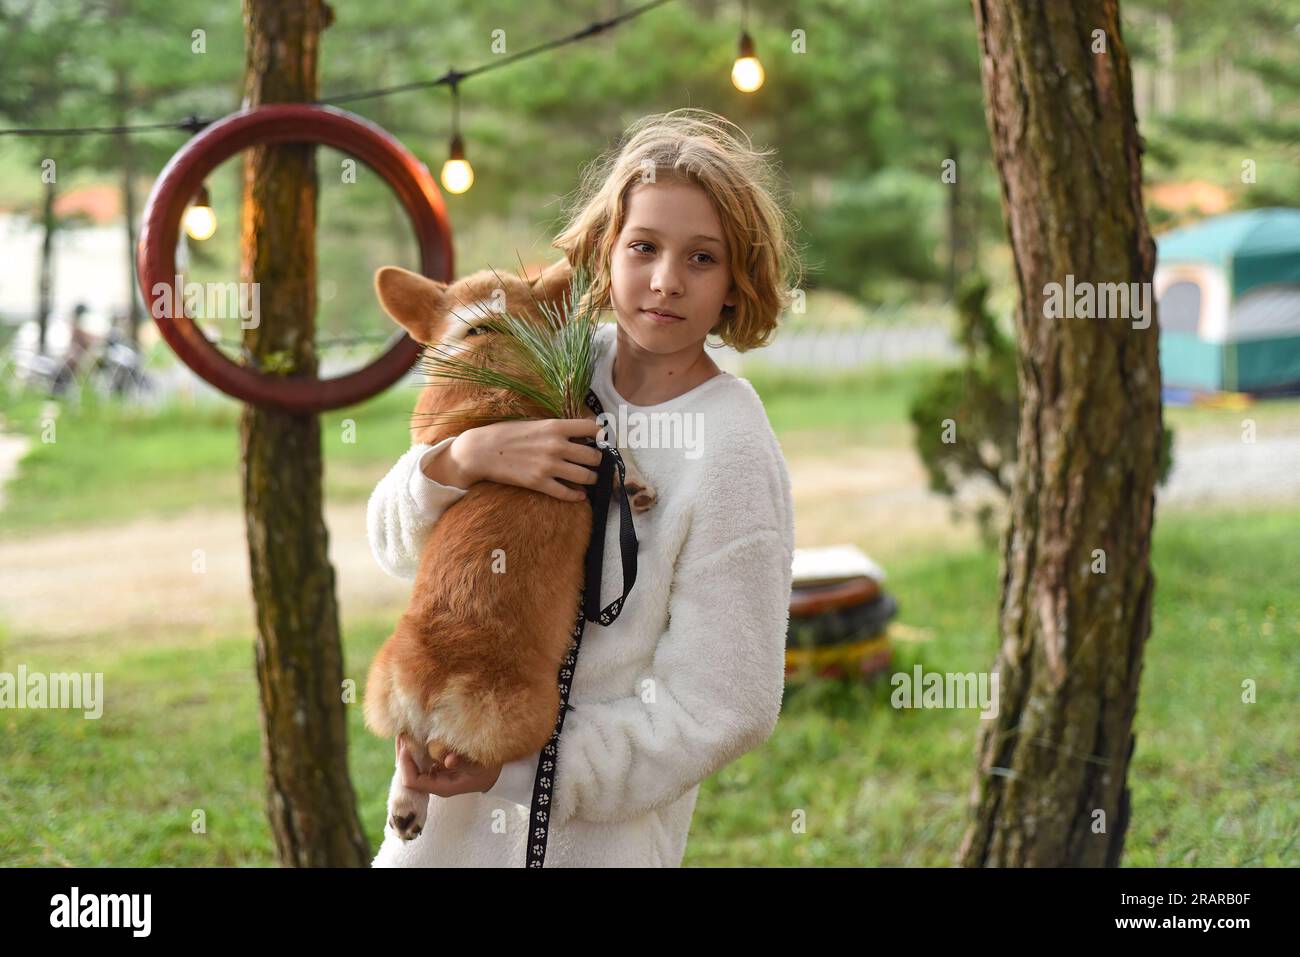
(1050, 787)
(128, 204)
(45, 282)
(954, 224)
(299, 653)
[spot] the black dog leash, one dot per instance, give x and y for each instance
(590, 610)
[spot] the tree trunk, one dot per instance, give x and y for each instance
(45, 282)
(1050, 788)
(299, 654)
(955, 266)
(123, 93)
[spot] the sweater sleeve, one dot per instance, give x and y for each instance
(713, 692)
(515, 783)
(403, 509)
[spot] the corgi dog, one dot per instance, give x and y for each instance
(473, 663)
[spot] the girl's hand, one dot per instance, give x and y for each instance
(545, 455)
(460, 777)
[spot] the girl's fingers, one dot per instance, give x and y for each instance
(579, 427)
(576, 473)
(410, 773)
(565, 494)
(583, 454)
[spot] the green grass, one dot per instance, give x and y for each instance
(1212, 778)
(870, 404)
(179, 733)
(109, 463)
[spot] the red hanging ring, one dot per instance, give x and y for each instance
(186, 171)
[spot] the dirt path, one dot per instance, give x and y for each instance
(1218, 467)
(136, 582)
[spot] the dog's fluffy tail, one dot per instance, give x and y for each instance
(486, 725)
(381, 716)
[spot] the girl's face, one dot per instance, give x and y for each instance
(670, 256)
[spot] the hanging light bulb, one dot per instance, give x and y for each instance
(747, 73)
(200, 220)
(457, 175)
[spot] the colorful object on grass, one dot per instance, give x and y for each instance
(838, 614)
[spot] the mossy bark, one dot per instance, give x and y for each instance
(311, 804)
(1051, 783)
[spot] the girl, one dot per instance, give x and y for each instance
(684, 237)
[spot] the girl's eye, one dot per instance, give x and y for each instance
(477, 331)
(705, 255)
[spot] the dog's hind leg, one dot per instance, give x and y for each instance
(409, 809)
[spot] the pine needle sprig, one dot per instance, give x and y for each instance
(547, 365)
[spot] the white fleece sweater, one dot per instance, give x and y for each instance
(689, 677)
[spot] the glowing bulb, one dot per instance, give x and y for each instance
(747, 73)
(200, 220)
(457, 175)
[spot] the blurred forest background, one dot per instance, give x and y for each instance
(863, 123)
(866, 109)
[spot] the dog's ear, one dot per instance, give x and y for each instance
(418, 303)
(553, 283)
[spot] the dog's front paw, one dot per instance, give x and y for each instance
(643, 495)
(405, 826)
(407, 812)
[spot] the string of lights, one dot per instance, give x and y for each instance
(457, 174)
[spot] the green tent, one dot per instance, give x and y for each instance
(1228, 290)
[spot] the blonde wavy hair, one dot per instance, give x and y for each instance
(703, 148)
